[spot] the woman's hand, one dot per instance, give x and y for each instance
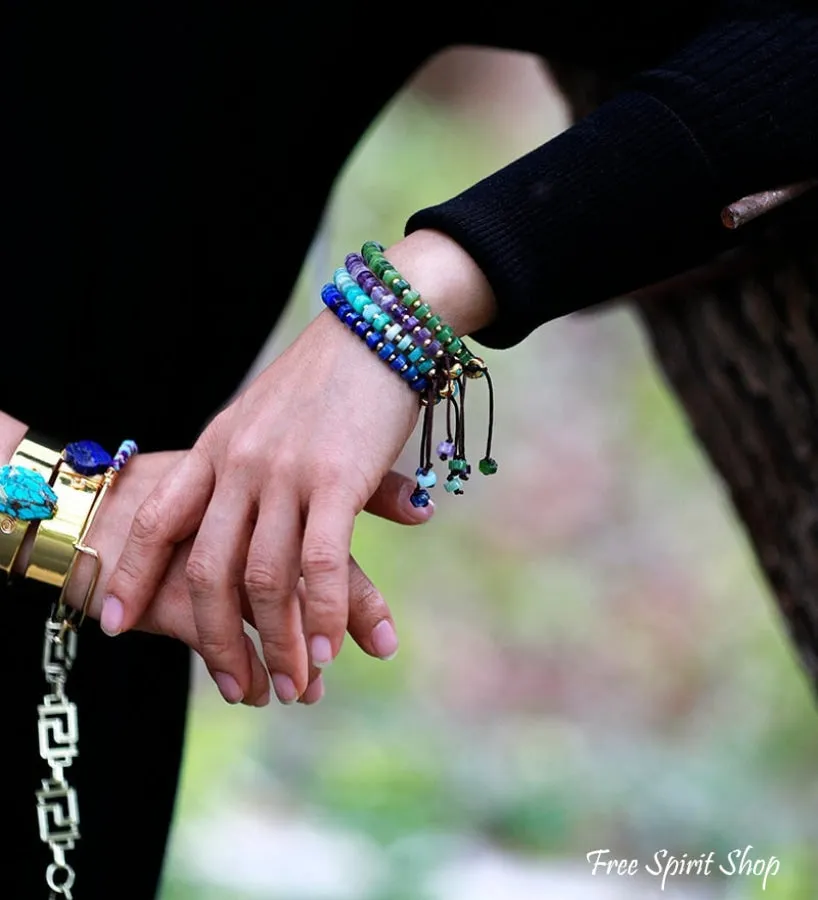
(272, 487)
(170, 611)
(271, 491)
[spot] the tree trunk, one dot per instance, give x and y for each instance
(738, 343)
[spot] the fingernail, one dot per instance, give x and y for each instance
(321, 651)
(284, 688)
(314, 692)
(385, 640)
(229, 687)
(264, 699)
(113, 612)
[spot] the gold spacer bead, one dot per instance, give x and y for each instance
(476, 368)
(446, 390)
(379, 346)
(416, 303)
(455, 370)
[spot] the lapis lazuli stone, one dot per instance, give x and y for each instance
(87, 457)
(25, 494)
(419, 498)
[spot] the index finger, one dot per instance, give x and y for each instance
(170, 514)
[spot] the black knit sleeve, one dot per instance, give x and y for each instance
(631, 194)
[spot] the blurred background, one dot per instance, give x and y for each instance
(589, 656)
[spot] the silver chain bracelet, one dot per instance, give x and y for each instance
(58, 729)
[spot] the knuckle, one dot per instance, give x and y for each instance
(279, 651)
(127, 576)
(243, 452)
(321, 558)
(200, 571)
(149, 523)
(333, 475)
(288, 461)
(263, 579)
(216, 644)
(366, 600)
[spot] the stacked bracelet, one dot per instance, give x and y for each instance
(57, 494)
(377, 303)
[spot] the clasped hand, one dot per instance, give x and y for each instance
(263, 507)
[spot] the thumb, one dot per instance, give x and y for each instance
(391, 501)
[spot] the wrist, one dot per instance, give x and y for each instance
(12, 431)
(447, 278)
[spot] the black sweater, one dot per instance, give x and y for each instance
(586, 217)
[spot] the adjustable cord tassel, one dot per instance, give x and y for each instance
(488, 465)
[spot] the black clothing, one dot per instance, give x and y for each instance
(164, 172)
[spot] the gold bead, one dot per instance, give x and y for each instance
(424, 400)
(476, 368)
(417, 303)
(446, 389)
(455, 370)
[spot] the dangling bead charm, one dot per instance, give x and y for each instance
(487, 465)
(445, 450)
(419, 497)
(426, 478)
(453, 485)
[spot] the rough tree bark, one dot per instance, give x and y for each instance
(738, 343)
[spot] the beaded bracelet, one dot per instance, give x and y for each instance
(372, 287)
(373, 300)
(370, 333)
(395, 329)
(372, 252)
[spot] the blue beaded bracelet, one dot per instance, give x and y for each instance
(386, 350)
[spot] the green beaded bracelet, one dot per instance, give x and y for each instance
(372, 253)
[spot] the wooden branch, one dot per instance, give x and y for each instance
(751, 207)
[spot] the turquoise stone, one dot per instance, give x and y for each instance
(453, 484)
(426, 479)
(25, 494)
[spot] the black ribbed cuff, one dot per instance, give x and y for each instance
(621, 200)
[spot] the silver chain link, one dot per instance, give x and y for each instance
(57, 807)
